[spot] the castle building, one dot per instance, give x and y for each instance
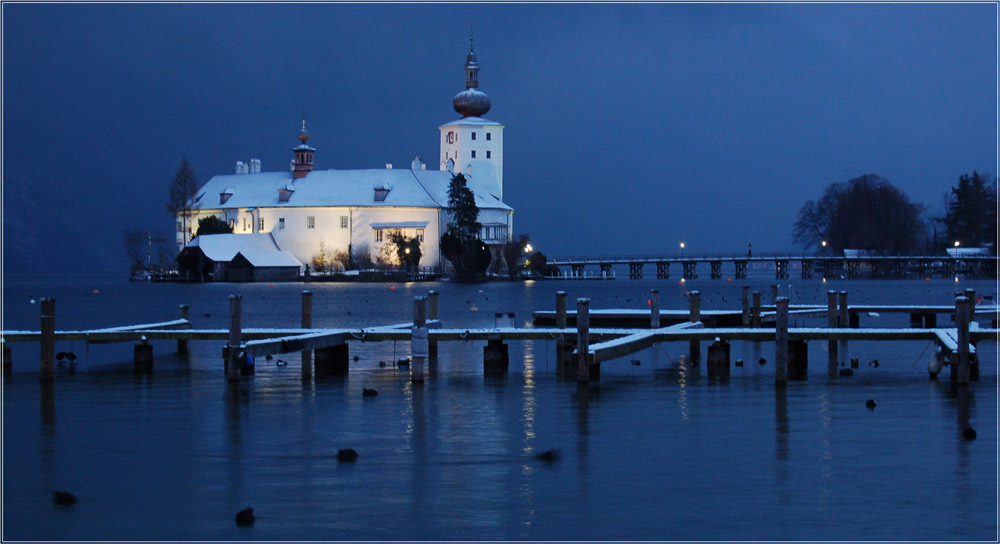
(307, 211)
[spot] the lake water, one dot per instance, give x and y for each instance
(651, 452)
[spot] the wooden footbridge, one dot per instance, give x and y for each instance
(854, 266)
(326, 351)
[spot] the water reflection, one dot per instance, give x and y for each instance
(781, 432)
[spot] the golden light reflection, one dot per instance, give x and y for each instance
(682, 383)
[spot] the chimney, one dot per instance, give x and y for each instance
(241, 167)
(417, 164)
(254, 166)
(388, 166)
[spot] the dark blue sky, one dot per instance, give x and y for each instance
(629, 127)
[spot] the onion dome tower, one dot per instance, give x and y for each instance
(471, 102)
(302, 164)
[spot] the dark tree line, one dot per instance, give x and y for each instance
(869, 213)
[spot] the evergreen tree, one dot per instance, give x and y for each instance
(212, 225)
(971, 217)
(182, 190)
(460, 243)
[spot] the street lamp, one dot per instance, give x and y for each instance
(682, 250)
(528, 248)
(956, 243)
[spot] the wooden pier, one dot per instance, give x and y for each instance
(856, 266)
(326, 351)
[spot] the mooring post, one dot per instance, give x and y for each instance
(48, 344)
(745, 300)
(781, 341)
(718, 360)
(774, 294)
(432, 313)
(654, 308)
(842, 321)
(970, 294)
(694, 346)
(307, 323)
(418, 339)
(235, 337)
(961, 373)
(182, 345)
(564, 351)
(142, 357)
(831, 322)
(583, 339)
(756, 310)
(8, 360)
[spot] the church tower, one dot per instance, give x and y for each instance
(302, 164)
(473, 145)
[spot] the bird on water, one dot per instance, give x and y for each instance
(347, 455)
(63, 498)
(245, 517)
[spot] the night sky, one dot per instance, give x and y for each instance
(629, 128)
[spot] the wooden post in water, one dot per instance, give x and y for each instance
(182, 345)
(432, 313)
(842, 321)
(745, 300)
(960, 368)
(564, 349)
(781, 341)
(8, 360)
(774, 294)
(418, 340)
(48, 343)
(583, 339)
(235, 337)
(831, 322)
(694, 346)
(654, 308)
(142, 357)
(756, 309)
(307, 323)
(718, 360)
(970, 294)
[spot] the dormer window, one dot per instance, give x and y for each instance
(224, 195)
(285, 193)
(381, 191)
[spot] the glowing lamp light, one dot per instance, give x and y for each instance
(528, 248)
(824, 243)
(956, 243)
(407, 251)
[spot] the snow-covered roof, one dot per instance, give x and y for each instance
(223, 247)
(477, 121)
(262, 258)
(409, 188)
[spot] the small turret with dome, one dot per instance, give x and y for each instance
(471, 102)
(302, 164)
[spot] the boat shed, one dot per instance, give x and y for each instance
(211, 257)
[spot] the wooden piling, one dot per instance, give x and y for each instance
(694, 346)
(432, 313)
(745, 300)
(235, 338)
(756, 309)
(718, 360)
(332, 360)
(960, 371)
(654, 308)
(307, 322)
(48, 342)
(182, 345)
(8, 360)
(583, 339)
(561, 309)
(774, 294)
(142, 357)
(842, 321)
(418, 340)
(798, 360)
(831, 322)
(781, 341)
(496, 357)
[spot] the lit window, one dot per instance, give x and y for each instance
(260, 224)
(420, 235)
(473, 153)
(378, 235)
(343, 221)
(488, 155)
(310, 222)
(281, 223)
(488, 136)
(180, 227)
(473, 135)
